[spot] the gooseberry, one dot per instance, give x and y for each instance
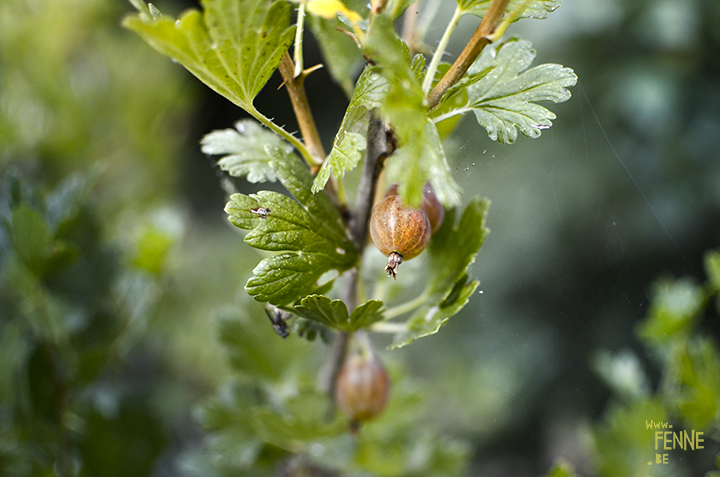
(399, 231)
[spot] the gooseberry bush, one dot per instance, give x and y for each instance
(320, 279)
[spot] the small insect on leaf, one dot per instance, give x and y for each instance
(278, 318)
(261, 212)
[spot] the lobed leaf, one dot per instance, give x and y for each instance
(420, 156)
(535, 9)
(350, 140)
(309, 231)
(233, 47)
(335, 313)
(247, 149)
(451, 252)
(428, 320)
(504, 98)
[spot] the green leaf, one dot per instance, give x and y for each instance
(420, 156)
(562, 469)
(623, 440)
(428, 320)
(397, 7)
(451, 252)
(232, 441)
(246, 147)
(335, 313)
(350, 140)
(302, 421)
(698, 372)
(623, 374)
(254, 348)
(309, 231)
(674, 309)
(31, 238)
(366, 314)
(453, 248)
(455, 98)
(65, 200)
(152, 249)
(712, 269)
(535, 9)
(504, 99)
(340, 53)
(233, 47)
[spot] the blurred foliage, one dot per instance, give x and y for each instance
(71, 98)
(688, 396)
(72, 306)
(270, 413)
(108, 274)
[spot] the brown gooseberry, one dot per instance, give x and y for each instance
(399, 231)
(430, 204)
(362, 388)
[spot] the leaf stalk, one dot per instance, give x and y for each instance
(301, 106)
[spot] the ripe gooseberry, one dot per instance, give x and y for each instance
(430, 204)
(399, 231)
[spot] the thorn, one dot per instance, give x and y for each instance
(306, 72)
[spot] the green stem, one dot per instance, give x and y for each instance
(298, 51)
(450, 114)
(384, 327)
(312, 160)
(440, 51)
(406, 307)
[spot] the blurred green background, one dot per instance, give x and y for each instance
(115, 252)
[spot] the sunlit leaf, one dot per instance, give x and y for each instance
(233, 47)
(309, 231)
(350, 140)
(504, 99)
(246, 147)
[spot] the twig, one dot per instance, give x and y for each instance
(409, 22)
(308, 129)
(380, 144)
(298, 98)
(480, 39)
